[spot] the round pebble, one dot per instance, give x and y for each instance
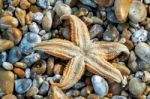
(79, 85)
(37, 17)
(22, 85)
(44, 88)
(96, 30)
(7, 66)
(100, 85)
(33, 27)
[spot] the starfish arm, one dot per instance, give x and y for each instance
(72, 73)
(110, 50)
(57, 93)
(60, 48)
(99, 65)
(79, 31)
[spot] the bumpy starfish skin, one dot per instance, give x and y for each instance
(84, 54)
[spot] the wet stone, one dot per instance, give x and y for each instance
(37, 17)
(3, 57)
(22, 85)
(28, 41)
(100, 85)
(14, 55)
(44, 88)
(43, 3)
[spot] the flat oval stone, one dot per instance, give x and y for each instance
(121, 9)
(6, 81)
(137, 12)
(100, 85)
(22, 85)
(7, 66)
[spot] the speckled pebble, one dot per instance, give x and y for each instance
(3, 57)
(32, 91)
(43, 3)
(37, 17)
(22, 85)
(28, 41)
(140, 35)
(14, 55)
(44, 88)
(7, 66)
(100, 85)
(119, 97)
(31, 59)
(33, 27)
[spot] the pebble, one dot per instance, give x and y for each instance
(137, 12)
(140, 35)
(7, 66)
(44, 88)
(56, 77)
(71, 2)
(136, 87)
(121, 9)
(46, 36)
(38, 97)
(28, 41)
(3, 57)
(105, 3)
(33, 27)
(47, 21)
(24, 4)
(38, 80)
(20, 14)
(143, 65)
(79, 85)
(90, 3)
(15, 3)
(5, 44)
(29, 18)
(43, 3)
(28, 73)
(42, 32)
(7, 81)
(22, 85)
(115, 88)
(146, 76)
(50, 65)
(32, 91)
(111, 33)
(119, 97)
(31, 59)
(142, 50)
(14, 55)
(58, 69)
(96, 30)
(37, 17)
(19, 72)
(35, 9)
(147, 1)
(20, 65)
(62, 9)
(92, 96)
(100, 85)
(65, 32)
(9, 96)
(7, 22)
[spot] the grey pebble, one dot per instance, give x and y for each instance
(43, 3)
(69, 92)
(140, 35)
(147, 1)
(89, 3)
(38, 97)
(46, 36)
(7, 66)
(38, 81)
(37, 17)
(28, 41)
(79, 85)
(33, 27)
(3, 57)
(119, 97)
(95, 30)
(31, 59)
(44, 88)
(32, 91)
(65, 32)
(100, 85)
(42, 32)
(28, 72)
(22, 85)
(14, 55)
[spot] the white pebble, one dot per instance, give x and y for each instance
(7, 66)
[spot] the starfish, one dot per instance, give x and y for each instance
(84, 54)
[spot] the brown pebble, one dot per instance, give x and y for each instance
(19, 72)
(75, 93)
(115, 88)
(121, 9)
(20, 14)
(35, 9)
(92, 96)
(15, 3)
(105, 3)
(5, 44)
(24, 4)
(29, 17)
(9, 96)
(7, 13)
(58, 69)
(50, 65)
(47, 21)
(32, 1)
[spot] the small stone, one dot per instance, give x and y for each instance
(143, 65)
(62, 9)
(50, 65)
(3, 57)
(121, 9)
(147, 1)
(14, 55)
(79, 85)
(47, 21)
(42, 32)
(33, 27)
(146, 77)
(31, 59)
(28, 41)
(6, 81)
(140, 35)
(37, 17)
(9, 96)
(137, 12)
(5, 44)
(65, 32)
(43, 3)
(58, 69)
(56, 77)
(115, 88)
(15, 3)
(32, 91)
(119, 97)
(22, 85)
(46, 36)
(142, 50)
(38, 80)
(29, 18)
(82, 12)
(38, 97)
(7, 66)
(71, 2)
(32, 1)
(75, 93)
(86, 90)
(28, 73)
(35, 9)
(90, 3)
(7, 22)
(20, 14)
(44, 88)
(111, 33)
(136, 87)
(19, 72)
(24, 4)
(100, 85)
(96, 30)
(20, 65)
(105, 3)
(92, 96)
